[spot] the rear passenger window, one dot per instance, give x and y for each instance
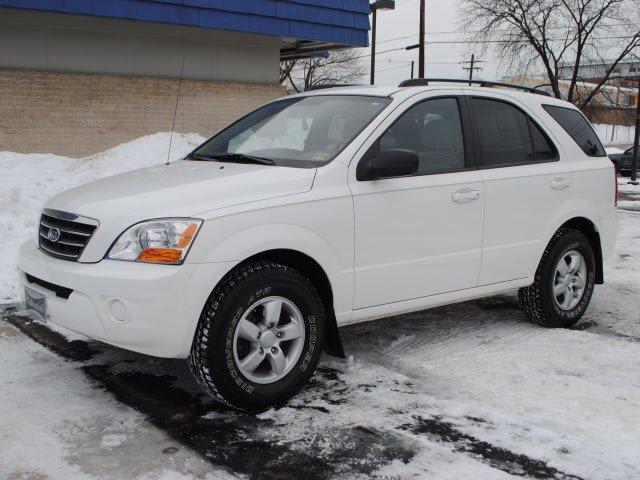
(508, 136)
(432, 129)
(574, 123)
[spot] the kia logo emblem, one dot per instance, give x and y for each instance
(53, 234)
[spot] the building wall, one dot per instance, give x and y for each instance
(78, 114)
(630, 68)
(34, 40)
(76, 85)
(610, 116)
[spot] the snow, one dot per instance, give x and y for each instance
(569, 398)
(30, 179)
(55, 424)
(628, 195)
(613, 150)
(619, 134)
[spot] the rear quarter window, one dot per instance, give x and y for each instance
(578, 128)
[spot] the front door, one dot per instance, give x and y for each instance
(419, 235)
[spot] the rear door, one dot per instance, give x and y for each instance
(523, 183)
(419, 235)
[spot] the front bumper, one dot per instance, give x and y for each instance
(151, 309)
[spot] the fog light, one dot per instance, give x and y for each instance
(118, 310)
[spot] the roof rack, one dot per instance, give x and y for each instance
(423, 82)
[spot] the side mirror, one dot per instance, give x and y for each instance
(394, 162)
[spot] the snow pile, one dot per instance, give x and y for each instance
(29, 180)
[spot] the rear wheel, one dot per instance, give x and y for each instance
(564, 281)
(260, 336)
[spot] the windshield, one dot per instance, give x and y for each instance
(297, 132)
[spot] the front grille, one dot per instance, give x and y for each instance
(64, 235)
(62, 292)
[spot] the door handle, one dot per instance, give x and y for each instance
(465, 195)
(560, 183)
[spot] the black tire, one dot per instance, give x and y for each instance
(538, 302)
(211, 359)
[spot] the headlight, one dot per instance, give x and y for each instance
(164, 241)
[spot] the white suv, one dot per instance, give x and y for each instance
(323, 209)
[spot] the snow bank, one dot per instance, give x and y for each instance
(30, 179)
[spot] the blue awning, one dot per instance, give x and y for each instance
(342, 22)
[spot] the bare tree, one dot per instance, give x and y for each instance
(544, 35)
(339, 68)
(285, 69)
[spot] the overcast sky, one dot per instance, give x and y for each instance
(443, 59)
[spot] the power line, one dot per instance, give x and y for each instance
(394, 68)
(444, 32)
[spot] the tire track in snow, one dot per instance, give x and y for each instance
(497, 457)
(228, 439)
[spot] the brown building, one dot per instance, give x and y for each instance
(79, 77)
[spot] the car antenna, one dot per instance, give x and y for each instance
(175, 110)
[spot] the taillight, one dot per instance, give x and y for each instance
(615, 189)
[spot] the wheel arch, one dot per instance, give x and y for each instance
(311, 269)
(589, 230)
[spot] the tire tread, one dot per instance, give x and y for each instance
(198, 357)
(531, 297)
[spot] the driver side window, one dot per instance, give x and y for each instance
(432, 129)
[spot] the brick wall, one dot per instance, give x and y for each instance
(79, 114)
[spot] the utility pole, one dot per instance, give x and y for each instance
(412, 62)
(472, 66)
(375, 6)
(634, 167)
(373, 45)
(421, 42)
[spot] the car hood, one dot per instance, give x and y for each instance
(181, 189)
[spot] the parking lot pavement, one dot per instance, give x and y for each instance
(464, 391)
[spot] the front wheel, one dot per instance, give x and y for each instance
(564, 281)
(260, 336)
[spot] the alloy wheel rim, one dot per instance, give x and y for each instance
(569, 280)
(268, 339)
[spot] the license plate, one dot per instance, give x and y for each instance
(36, 302)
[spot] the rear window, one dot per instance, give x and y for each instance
(574, 123)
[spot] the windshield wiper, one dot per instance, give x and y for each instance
(233, 157)
(198, 156)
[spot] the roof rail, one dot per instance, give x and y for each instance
(423, 82)
(333, 85)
